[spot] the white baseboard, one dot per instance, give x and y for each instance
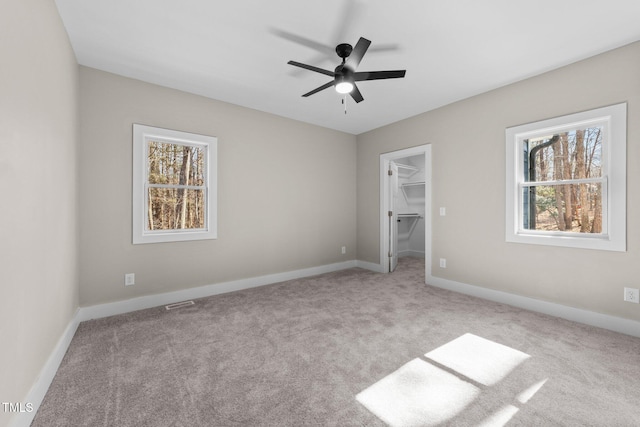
(605, 321)
(39, 389)
(376, 268)
(149, 301)
(411, 253)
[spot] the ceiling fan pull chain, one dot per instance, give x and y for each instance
(344, 102)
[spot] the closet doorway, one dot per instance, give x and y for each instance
(405, 206)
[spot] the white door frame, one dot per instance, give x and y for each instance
(385, 195)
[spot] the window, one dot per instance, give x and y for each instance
(174, 185)
(566, 180)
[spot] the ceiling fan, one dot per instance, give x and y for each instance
(345, 75)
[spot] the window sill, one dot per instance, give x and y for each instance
(598, 242)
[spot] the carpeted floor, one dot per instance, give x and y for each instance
(351, 348)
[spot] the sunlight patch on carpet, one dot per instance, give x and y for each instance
(428, 393)
(479, 359)
(500, 418)
(418, 394)
(529, 392)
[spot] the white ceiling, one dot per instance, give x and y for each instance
(237, 50)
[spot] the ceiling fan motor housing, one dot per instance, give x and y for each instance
(343, 70)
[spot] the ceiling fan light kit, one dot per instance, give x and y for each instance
(345, 75)
(344, 86)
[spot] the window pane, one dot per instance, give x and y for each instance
(175, 209)
(175, 164)
(570, 208)
(573, 154)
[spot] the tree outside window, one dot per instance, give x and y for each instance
(174, 191)
(563, 181)
(566, 180)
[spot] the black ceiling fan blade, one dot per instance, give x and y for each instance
(378, 75)
(356, 95)
(351, 9)
(389, 47)
(318, 89)
(358, 52)
(325, 49)
(312, 68)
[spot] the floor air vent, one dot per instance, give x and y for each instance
(178, 305)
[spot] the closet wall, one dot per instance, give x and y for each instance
(409, 203)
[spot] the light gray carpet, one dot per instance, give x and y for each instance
(350, 348)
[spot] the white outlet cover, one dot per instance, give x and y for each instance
(129, 279)
(632, 295)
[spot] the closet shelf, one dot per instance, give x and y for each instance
(413, 191)
(406, 171)
(412, 219)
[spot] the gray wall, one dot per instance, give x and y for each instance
(286, 192)
(468, 155)
(38, 220)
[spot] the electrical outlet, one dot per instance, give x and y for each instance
(632, 295)
(443, 263)
(344, 250)
(129, 279)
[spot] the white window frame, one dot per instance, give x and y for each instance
(141, 136)
(614, 177)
